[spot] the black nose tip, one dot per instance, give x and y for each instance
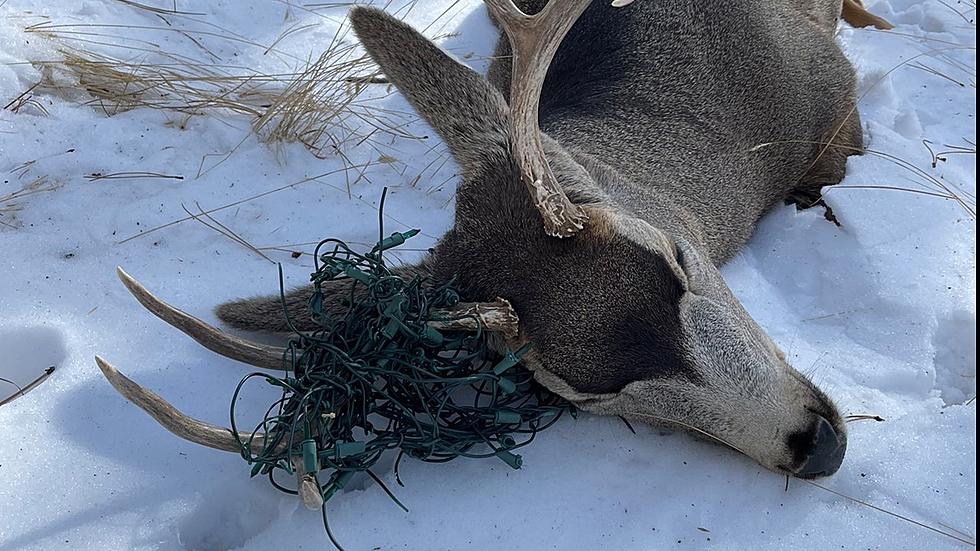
(828, 452)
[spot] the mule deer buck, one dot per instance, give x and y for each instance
(647, 175)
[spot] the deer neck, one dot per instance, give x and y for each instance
(718, 224)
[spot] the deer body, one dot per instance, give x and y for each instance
(666, 100)
(651, 116)
(669, 127)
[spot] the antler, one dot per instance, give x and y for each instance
(172, 419)
(534, 39)
(498, 317)
(215, 340)
(855, 14)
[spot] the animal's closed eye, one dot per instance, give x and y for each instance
(695, 272)
(685, 260)
(679, 254)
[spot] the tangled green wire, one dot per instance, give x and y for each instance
(379, 378)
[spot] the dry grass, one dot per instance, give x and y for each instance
(315, 107)
(10, 201)
(26, 99)
(315, 101)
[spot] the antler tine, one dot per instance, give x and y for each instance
(534, 39)
(170, 418)
(230, 346)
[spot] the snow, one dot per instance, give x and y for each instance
(881, 312)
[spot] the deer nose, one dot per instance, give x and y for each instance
(827, 454)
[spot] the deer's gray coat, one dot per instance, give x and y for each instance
(655, 116)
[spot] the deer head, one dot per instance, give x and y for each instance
(625, 311)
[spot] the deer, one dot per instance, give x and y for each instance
(610, 162)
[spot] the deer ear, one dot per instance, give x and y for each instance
(468, 113)
(266, 313)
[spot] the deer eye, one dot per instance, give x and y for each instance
(690, 263)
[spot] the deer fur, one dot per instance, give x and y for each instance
(653, 115)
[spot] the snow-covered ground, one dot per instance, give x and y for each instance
(881, 312)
